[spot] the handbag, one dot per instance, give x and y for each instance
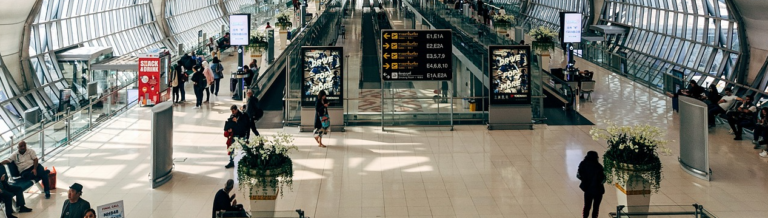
(325, 119)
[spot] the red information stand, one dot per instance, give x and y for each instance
(149, 81)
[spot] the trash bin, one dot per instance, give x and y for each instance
(472, 105)
(465, 103)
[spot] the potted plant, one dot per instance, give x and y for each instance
(503, 21)
(543, 39)
(265, 168)
(256, 44)
(632, 162)
(284, 23)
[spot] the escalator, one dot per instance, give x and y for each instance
(370, 78)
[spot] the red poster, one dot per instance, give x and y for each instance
(149, 81)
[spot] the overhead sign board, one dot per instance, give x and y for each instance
(570, 24)
(239, 29)
(510, 74)
(416, 55)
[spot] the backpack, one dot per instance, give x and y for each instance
(259, 114)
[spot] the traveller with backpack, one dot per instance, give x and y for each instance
(253, 111)
(218, 74)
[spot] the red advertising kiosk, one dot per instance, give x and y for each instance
(149, 80)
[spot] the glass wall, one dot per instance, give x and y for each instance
(186, 18)
(697, 37)
(546, 12)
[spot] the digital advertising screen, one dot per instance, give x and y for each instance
(322, 69)
(570, 27)
(239, 29)
(510, 74)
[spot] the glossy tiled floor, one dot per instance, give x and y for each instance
(413, 172)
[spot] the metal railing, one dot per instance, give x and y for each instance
(695, 210)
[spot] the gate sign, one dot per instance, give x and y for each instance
(149, 81)
(111, 210)
(416, 55)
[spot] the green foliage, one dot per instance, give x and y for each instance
(543, 34)
(257, 41)
(284, 20)
(265, 166)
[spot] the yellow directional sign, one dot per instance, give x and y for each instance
(386, 45)
(386, 55)
(386, 66)
(394, 36)
(394, 45)
(394, 55)
(386, 35)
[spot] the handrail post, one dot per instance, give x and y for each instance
(42, 140)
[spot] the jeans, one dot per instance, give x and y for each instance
(737, 124)
(176, 94)
(198, 96)
(207, 93)
(41, 175)
(7, 197)
(714, 112)
(592, 201)
(215, 87)
(760, 130)
(183, 92)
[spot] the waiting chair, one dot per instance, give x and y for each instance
(587, 87)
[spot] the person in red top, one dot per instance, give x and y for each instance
(229, 134)
(268, 26)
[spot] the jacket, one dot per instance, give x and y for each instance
(222, 201)
(200, 79)
(252, 106)
(208, 75)
(592, 178)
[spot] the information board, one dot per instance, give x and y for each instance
(416, 55)
(322, 69)
(510, 74)
(111, 210)
(149, 81)
(239, 29)
(570, 23)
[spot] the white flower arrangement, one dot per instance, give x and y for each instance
(281, 144)
(543, 34)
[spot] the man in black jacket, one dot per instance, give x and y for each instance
(240, 128)
(222, 200)
(253, 111)
(188, 63)
(7, 192)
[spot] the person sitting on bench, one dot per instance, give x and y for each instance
(7, 192)
(27, 162)
(223, 202)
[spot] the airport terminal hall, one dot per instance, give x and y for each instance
(383, 108)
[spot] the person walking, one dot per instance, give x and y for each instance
(199, 83)
(208, 73)
(592, 179)
(254, 112)
(321, 116)
(218, 74)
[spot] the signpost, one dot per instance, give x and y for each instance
(416, 55)
(149, 80)
(111, 210)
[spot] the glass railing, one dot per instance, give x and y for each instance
(563, 90)
(321, 30)
(695, 210)
(48, 136)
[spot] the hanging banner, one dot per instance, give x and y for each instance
(149, 81)
(510, 74)
(322, 69)
(111, 210)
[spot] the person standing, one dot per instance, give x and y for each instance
(321, 115)
(27, 163)
(218, 74)
(254, 112)
(229, 133)
(592, 179)
(199, 82)
(208, 73)
(75, 206)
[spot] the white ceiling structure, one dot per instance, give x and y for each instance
(12, 18)
(753, 12)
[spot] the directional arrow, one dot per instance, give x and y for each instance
(386, 66)
(386, 45)
(386, 55)
(386, 35)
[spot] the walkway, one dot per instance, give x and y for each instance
(409, 172)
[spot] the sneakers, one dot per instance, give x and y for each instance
(764, 154)
(230, 165)
(757, 146)
(24, 209)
